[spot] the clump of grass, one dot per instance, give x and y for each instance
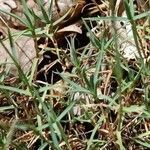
(102, 103)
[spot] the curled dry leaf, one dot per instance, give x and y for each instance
(71, 28)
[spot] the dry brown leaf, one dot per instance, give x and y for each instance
(71, 28)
